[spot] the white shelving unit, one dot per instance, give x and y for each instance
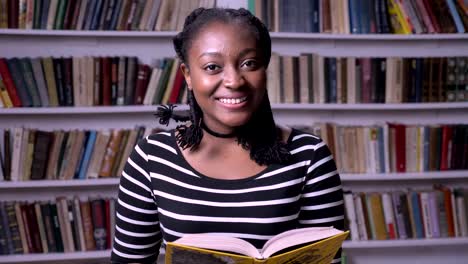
(405, 243)
(345, 177)
(140, 44)
(409, 176)
(304, 114)
(151, 45)
(88, 257)
(59, 184)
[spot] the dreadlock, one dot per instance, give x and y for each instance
(260, 135)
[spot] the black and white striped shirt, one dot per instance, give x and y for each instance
(161, 198)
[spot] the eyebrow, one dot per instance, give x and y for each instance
(218, 54)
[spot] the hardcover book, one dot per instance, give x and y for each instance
(313, 245)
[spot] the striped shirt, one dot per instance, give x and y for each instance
(161, 198)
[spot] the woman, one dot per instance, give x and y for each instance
(229, 169)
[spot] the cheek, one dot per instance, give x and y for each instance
(258, 80)
(203, 83)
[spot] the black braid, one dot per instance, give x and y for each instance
(191, 136)
(260, 136)
(165, 112)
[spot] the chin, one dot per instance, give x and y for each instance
(237, 121)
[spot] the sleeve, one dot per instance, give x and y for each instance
(322, 196)
(137, 231)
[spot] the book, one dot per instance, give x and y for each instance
(112, 149)
(88, 229)
(21, 228)
(48, 226)
(351, 215)
(13, 227)
(312, 245)
(4, 96)
(3, 14)
(56, 227)
(4, 239)
(99, 223)
(41, 154)
(41, 227)
(15, 71)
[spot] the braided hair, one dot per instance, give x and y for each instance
(260, 135)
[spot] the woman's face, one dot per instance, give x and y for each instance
(227, 75)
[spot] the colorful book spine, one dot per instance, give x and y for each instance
(456, 17)
(398, 21)
(87, 154)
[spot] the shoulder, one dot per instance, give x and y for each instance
(300, 137)
(156, 142)
(289, 134)
(163, 136)
(305, 145)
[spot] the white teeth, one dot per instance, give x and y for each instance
(232, 100)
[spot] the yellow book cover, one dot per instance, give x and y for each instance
(4, 96)
(3, 14)
(312, 245)
(397, 19)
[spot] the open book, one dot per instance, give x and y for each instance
(311, 245)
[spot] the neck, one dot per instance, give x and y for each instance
(216, 134)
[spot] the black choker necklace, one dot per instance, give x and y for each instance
(216, 134)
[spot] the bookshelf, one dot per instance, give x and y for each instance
(150, 45)
(158, 43)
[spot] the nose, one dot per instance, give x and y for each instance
(233, 78)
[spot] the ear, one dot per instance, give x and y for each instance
(185, 70)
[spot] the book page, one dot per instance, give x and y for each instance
(214, 242)
(321, 252)
(297, 237)
(181, 254)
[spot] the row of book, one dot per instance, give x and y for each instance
(436, 213)
(61, 225)
(150, 15)
(363, 16)
(31, 154)
(395, 147)
(312, 78)
(308, 78)
(89, 81)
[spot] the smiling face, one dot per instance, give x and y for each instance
(227, 75)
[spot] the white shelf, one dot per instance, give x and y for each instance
(347, 245)
(88, 257)
(87, 33)
(301, 107)
(345, 177)
(378, 37)
(274, 35)
(429, 175)
(16, 43)
(438, 242)
(59, 183)
(365, 107)
(80, 110)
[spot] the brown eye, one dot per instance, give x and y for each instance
(251, 64)
(211, 67)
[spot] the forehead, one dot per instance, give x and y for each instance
(220, 36)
